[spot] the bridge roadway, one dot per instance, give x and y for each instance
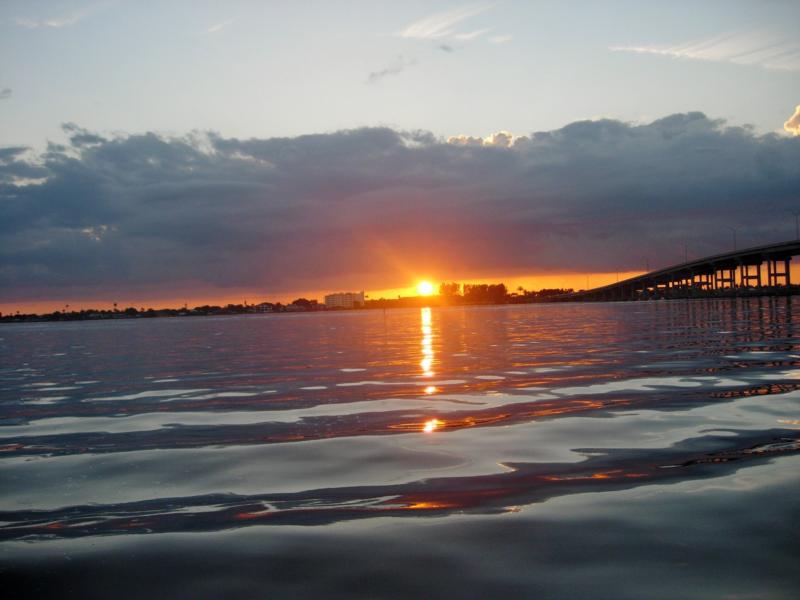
(731, 273)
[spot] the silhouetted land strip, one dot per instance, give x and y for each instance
(455, 295)
(482, 294)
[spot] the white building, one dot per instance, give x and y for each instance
(345, 300)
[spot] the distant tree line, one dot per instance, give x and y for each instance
(450, 293)
(477, 293)
(90, 314)
(524, 296)
(494, 293)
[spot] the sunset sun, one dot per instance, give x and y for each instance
(425, 288)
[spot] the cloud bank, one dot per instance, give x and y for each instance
(365, 208)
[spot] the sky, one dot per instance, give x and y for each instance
(156, 152)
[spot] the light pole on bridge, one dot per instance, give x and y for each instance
(733, 229)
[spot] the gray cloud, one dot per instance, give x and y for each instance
(399, 65)
(366, 207)
(6, 93)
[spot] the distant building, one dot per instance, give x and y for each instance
(265, 307)
(345, 300)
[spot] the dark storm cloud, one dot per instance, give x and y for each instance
(10, 153)
(292, 213)
(79, 136)
(14, 168)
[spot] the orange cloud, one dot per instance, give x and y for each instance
(793, 124)
(501, 139)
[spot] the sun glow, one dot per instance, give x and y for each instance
(425, 288)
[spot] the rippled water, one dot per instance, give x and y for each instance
(641, 450)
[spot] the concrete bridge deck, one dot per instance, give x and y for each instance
(741, 271)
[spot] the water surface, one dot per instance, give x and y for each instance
(584, 450)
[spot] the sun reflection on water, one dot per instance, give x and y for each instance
(431, 425)
(427, 343)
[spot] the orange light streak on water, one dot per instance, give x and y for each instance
(431, 425)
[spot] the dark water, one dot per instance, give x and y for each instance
(647, 450)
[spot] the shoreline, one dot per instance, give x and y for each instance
(411, 302)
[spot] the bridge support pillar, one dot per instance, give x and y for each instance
(748, 278)
(776, 276)
(704, 281)
(725, 278)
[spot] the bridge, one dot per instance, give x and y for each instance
(741, 272)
